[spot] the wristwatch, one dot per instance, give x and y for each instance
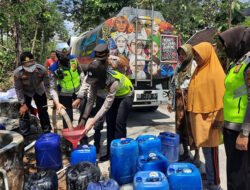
(244, 132)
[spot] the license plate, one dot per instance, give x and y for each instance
(146, 96)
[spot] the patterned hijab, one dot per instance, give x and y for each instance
(186, 65)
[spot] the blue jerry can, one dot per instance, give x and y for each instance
(152, 162)
(148, 144)
(104, 185)
(83, 153)
(48, 152)
(184, 176)
(170, 146)
(150, 180)
(123, 157)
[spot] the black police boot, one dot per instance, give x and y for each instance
(105, 157)
(97, 139)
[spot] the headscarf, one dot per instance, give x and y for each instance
(237, 41)
(206, 89)
(186, 65)
(121, 34)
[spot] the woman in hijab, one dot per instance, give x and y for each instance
(182, 77)
(236, 42)
(205, 104)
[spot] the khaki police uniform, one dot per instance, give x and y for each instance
(30, 85)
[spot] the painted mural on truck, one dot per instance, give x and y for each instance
(119, 33)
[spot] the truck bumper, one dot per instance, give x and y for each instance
(147, 98)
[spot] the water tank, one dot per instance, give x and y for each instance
(184, 176)
(81, 174)
(48, 152)
(123, 158)
(152, 162)
(42, 180)
(104, 185)
(150, 180)
(148, 144)
(83, 153)
(170, 146)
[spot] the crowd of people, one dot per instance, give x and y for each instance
(208, 101)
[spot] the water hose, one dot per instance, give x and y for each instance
(29, 146)
(54, 120)
(67, 119)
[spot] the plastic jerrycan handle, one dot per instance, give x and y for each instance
(152, 156)
(184, 170)
(124, 141)
(86, 147)
(67, 119)
(151, 138)
(153, 177)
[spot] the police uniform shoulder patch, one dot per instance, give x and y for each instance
(111, 72)
(237, 69)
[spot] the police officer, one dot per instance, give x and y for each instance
(66, 78)
(101, 53)
(236, 42)
(31, 81)
(118, 91)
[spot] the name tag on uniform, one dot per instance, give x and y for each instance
(237, 69)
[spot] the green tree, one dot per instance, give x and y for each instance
(90, 13)
(28, 25)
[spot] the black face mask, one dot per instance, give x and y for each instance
(63, 59)
(64, 62)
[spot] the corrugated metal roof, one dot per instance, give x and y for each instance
(205, 35)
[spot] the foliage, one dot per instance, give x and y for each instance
(88, 14)
(186, 16)
(40, 24)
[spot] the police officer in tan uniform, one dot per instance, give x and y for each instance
(31, 81)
